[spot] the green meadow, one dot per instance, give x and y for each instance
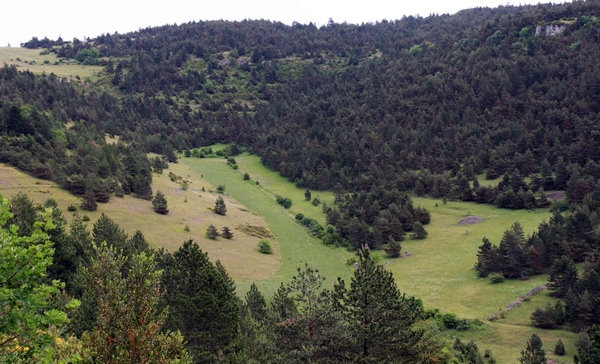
(32, 60)
(439, 269)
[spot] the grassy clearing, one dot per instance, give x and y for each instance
(297, 246)
(239, 255)
(32, 60)
(439, 270)
(275, 184)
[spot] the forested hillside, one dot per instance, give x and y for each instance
(416, 103)
(373, 112)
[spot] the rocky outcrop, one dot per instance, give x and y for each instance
(550, 29)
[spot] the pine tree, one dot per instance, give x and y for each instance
(419, 231)
(380, 319)
(559, 348)
(160, 203)
(211, 232)
(202, 302)
(226, 232)
(533, 353)
(89, 201)
(128, 325)
(220, 207)
(105, 229)
(486, 257)
(307, 195)
(563, 276)
(512, 252)
(393, 248)
(256, 303)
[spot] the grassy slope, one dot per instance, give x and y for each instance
(440, 270)
(277, 184)
(167, 230)
(297, 247)
(30, 59)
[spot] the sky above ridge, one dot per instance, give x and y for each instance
(22, 20)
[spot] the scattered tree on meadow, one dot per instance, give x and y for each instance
(307, 195)
(220, 207)
(419, 231)
(533, 353)
(159, 203)
(211, 232)
(89, 201)
(226, 232)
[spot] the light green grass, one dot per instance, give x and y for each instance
(32, 60)
(297, 246)
(276, 184)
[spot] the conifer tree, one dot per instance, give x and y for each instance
(381, 319)
(563, 276)
(211, 232)
(220, 207)
(256, 303)
(202, 302)
(128, 322)
(89, 201)
(419, 231)
(533, 353)
(159, 203)
(226, 232)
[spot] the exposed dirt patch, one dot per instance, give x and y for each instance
(470, 220)
(555, 196)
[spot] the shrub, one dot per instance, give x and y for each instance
(393, 249)
(496, 278)
(85, 218)
(559, 349)
(284, 201)
(72, 208)
(186, 229)
(211, 232)
(300, 217)
(246, 176)
(264, 247)
(221, 188)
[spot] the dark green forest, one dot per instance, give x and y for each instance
(373, 112)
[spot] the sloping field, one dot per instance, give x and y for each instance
(32, 60)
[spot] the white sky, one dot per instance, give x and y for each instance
(20, 20)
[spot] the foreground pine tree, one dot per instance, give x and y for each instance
(202, 302)
(381, 320)
(128, 327)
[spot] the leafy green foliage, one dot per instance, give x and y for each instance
(265, 247)
(25, 295)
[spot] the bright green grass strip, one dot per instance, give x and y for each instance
(277, 184)
(297, 246)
